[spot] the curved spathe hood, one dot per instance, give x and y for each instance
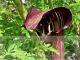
(60, 17)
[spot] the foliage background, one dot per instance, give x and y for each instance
(17, 43)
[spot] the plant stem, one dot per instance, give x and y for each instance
(20, 7)
(58, 44)
(50, 3)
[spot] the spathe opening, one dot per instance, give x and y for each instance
(54, 21)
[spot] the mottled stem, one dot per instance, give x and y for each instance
(58, 44)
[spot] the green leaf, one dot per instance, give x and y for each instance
(77, 0)
(54, 50)
(11, 47)
(24, 31)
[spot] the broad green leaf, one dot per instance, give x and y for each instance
(54, 50)
(77, 0)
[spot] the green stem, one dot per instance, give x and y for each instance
(50, 3)
(20, 7)
(45, 1)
